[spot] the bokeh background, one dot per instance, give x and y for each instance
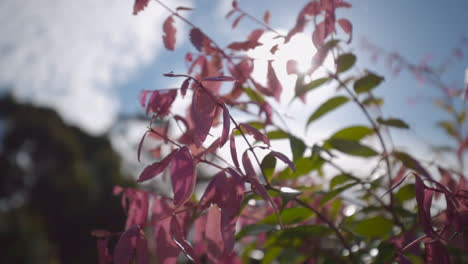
(70, 121)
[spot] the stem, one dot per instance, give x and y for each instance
(328, 222)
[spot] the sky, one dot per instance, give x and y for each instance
(90, 59)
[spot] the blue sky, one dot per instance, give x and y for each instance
(90, 59)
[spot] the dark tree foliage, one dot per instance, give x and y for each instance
(55, 187)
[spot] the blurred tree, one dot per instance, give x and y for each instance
(55, 187)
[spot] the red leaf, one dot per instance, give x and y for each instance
(182, 175)
(139, 6)
(237, 20)
(347, 27)
(203, 111)
(249, 169)
(232, 143)
(197, 37)
(266, 17)
(103, 251)
(243, 45)
(319, 35)
(219, 79)
(214, 240)
(123, 251)
(154, 169)
(273, 83)
(140, 145)
(242, 70)
(284, 159)
(312, 9)
(161, 101)
(142, 255)
(184, 87)
(436, 253)
(274, 49)
(226, 126)
(291, 67)
(143, 96)
(169, 37)
(424, 200)
(179, 239)
(137, 212)
(255, 133)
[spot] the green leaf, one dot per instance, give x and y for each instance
(332, 194)
(254, 95)
(268, 165)
(394, 122)
(345, 61)
(311, 86)
(255, 229)
(340, 179)
(289, 216)
(367, 83)
(449, 129)
(373, 101)
(303, 166)
(405, 193)
(277, 134)
(377, 226)
(386, 253)
(285, 236)
(297, 147)
(355, 133)
(351, 147)
(328, 106)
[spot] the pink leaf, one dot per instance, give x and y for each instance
(237, 20)
(283, 158)
(255, 133)
(424, 199)
(123, 251)
(266, 17)
(347, 27)
(143, 96)
(232, 143)
(219, 79)
(273, 82)
(436, 253)
(319, 35)
(140, 145)
(461, 149)
(179, 239)
(154, 169)
(182, 175)
(249, 169)
(226, 126)
(142, 255)
(139, 6)
(161, 101)
(203, 111)
(184, 87)
(197, 37)
(169, 37)
(183, 8)
(214, 240)
(103, 251)
(242, 70)
(291, 67)
(137, 212)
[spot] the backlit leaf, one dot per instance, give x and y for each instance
(197, 37)
(326, 107)
(332, 194)
(289, 216)
(393, 122)
(351, 147)
(377, 226)
(139, 6)
(311, 86)
(347, 27)
(367, 83)
(203, 112)
(340, 179)
(182, 175)
(297, 147)
(169, 37)
(345, 61)
(268, 165)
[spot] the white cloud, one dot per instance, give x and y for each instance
(69, 54)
